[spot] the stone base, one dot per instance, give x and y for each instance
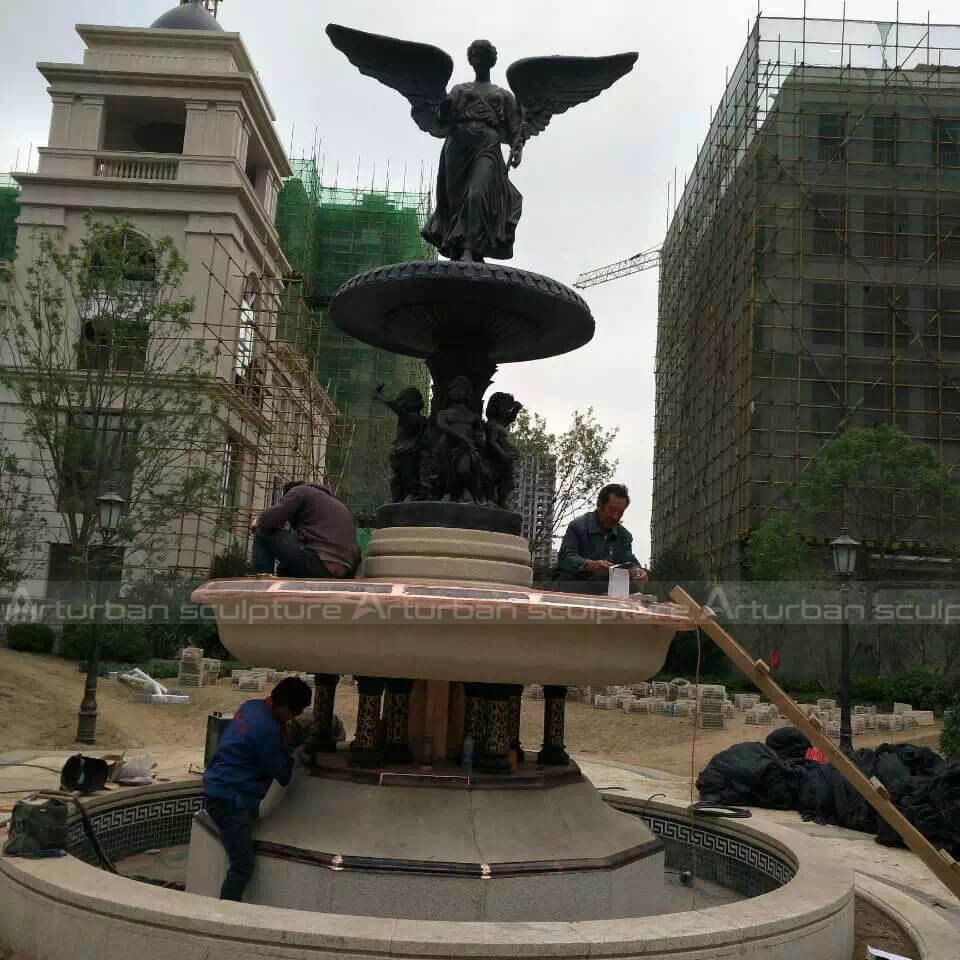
(419, 554)
(444, 853)
(460, 516)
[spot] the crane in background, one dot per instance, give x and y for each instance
(645, 260)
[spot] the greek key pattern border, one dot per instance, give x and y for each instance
(722, 844)
(140, 814)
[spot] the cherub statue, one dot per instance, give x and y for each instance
(408, 444)
(502, 410)
(477, 208)
(460, 437)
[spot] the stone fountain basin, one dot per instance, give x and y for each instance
(441, 631)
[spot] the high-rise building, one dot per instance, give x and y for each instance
(535, 476)
(810, 277)
(330, 234)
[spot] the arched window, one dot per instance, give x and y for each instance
(118, 288)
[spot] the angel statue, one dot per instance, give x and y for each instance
(478, 208)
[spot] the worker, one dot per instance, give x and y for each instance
(253, 752)
(321, 541)
(595, 542)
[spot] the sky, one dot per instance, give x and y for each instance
(594, 183)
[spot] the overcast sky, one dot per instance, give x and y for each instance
(594, 183)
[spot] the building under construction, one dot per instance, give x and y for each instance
(329, 234)
(9, 211)
(810, 278)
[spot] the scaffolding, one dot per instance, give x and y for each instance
(329, 234)
(271, 422)
(9, 211)
(810, 276)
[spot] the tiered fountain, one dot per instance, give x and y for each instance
(443, 629)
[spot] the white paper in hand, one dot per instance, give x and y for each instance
(873, 952)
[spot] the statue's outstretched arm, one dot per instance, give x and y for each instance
(417, 70)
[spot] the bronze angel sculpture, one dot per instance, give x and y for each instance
(477, 207)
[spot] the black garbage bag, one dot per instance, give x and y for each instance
(920, 761)
(826, 797)
(945, 797)
(789, 743)
(866, 761)
(815, 795)
(911, 796)
(890, 769)
(751, 774)
(851, 810)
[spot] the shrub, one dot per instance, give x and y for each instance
(922, 689)
(233, 562)
(950, 734)
(124, 643)
(77, 640)
(30, 637)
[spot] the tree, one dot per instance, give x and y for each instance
(114, 385)
(888, 489)
(581, 459)
(782, 570)
(777, 552)
(676, 566)
(20, 521)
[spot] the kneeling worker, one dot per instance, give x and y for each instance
(253, 752)
(321, 541)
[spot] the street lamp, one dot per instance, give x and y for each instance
(845, 550)
(110, 506)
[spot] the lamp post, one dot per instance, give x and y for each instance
(845, 563)
(110, 506)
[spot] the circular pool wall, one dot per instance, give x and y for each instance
(48, 907)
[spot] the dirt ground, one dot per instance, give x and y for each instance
(39, 698)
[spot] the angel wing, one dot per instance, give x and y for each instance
(544, 86)
(417, 70)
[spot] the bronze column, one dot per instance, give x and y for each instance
(320, 739)
(397, 749)
(494, 747)
(364, 751)
(516, 703)
(554, 704)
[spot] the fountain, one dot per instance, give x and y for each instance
(443, 630)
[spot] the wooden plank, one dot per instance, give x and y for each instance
(760, 676)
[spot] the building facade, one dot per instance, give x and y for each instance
(810, 277)
(170, 130)
(535, 477)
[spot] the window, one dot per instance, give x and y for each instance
(115, 317)
(230, 477)
(99, 451)
(828, 215)
(827, 413)
(878, 316)
(884, 139)
(830, 134)
(885, 226)
(946, 142)
(247, 372)
(826, 314)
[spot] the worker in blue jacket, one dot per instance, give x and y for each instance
(253, 752)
